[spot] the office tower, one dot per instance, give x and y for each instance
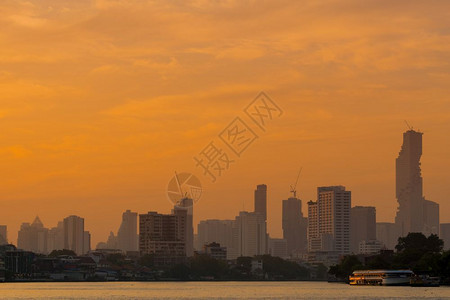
(278, 247)
(261, 200)
(251, 234)
(55, 239)
(430, 218)
(387, 234)
(127, 236)
(444, 234)
(33, 237)
(163, 236)
(74, 234)
(187, 205)
(362, 227)
(86, 242)
(3, 235)
(329, 220)
(215, 231)
(415, 214)
(294, 226)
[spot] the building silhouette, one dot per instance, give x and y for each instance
(3, 235)
(33, 237)
(415, 214)
(163, 237)
(261, 200)
(329, 220)
(215, 231)
(294, 226)
(187, 204)
(250, 235)
(387, 234)
(75, 236)
(444, 234)
(127, 235)
(55, 238)
(362, 227)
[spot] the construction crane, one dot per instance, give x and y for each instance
(294, 188)
(409, 126)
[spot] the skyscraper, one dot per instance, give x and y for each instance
(33, 237)
(215, 231)
(187, 204)
(74, 234)
(329, 220)
(55, 238)
(261, 200)
(294, 226)
(163, 236)
(415, 214)
(362, 226)
(127, 236)
(387, 234)
(251, 234)
(3, 235)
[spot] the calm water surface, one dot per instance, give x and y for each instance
(214, 290)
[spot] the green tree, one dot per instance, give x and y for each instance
(56, 253)
(346, 267)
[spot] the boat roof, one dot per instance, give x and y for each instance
(383, 271)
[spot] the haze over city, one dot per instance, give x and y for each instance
(96, 117)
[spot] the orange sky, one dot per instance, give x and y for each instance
(101, 101)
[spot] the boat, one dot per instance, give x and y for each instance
(381, 277)
(425, 280)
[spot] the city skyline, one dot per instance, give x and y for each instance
(261, 199)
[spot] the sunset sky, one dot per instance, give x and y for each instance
(102, 101)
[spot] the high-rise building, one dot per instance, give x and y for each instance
(215, 231)
(261, 200)
(444, 234)
(415, 214)
(127, 236)
(387, 234)
(86, 242)
(3, 235)
(278, 247)
(329, 220)
(163, 236)
(251, 234)
(74, 234)
(55, 239)
(294, 226)
(33, 237)
(362, 226)
(187, 205)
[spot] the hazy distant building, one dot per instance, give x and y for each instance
(3, 235)
(329, 220)
(294, 226)
(387, 234)
(261, 200)
(362, 226)
(33, 237)
(216, 251)
(444, 234)
(215, 231)
(86, 242)
(250, 234)
(414, 214)
(369, 247)
(74, 234)
(278, 247)
(163, 236)
(55, 238)
(187, 204)
(127, 235)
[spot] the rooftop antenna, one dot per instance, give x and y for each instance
(179, 188)
(409, 126)
(294, 187)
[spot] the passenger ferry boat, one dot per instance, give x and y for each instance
(381, 277)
